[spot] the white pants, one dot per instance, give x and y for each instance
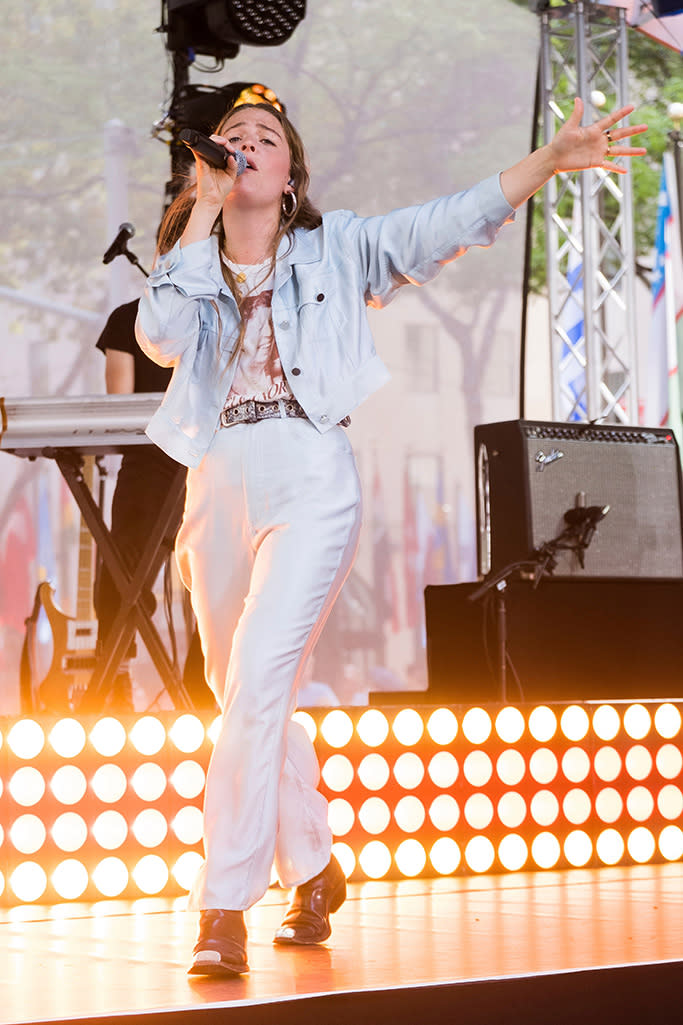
(269, 534)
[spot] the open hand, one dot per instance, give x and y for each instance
(577, 147)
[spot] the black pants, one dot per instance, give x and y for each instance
(142, 485)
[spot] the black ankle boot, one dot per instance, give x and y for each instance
(308, 916)
(222, 945)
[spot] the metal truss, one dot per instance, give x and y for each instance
(588, 224)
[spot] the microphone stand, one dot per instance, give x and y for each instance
(132, 258)
(575, 537)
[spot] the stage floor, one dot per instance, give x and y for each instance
(424, 940)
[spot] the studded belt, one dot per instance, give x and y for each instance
(250, 412)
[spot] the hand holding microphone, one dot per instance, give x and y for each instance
(214, 154)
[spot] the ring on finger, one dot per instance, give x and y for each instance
(608, 133)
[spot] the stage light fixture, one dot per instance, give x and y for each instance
(542, 724)
(337, 772)
(543, 765)
(641, 844)
(375, 859)
(337, 728)
(218, 28)
(341, 816)
(510, 725)
(410, 858)
(374, 815)
(410, 814)
(609, 805)
(110, 877)
(510, 767)
(442, 726)
(27, 786)
(108, 737)
(373, 771)
(149, 781)
(187, 733)
(607, 764)
(574, 723)
(151, 874)
(637, 722)
(109, 783)
(668, 720)
(578, 848)
(67, 738)
(148, 735)
(110, 830)
(188, 825)
(69, 785)
(443, 769)
(373, 727)
(576, 765)
(345, 856)
(27, 834)
(511, 810)
(445, 855)
(669, 761)
(671, 843)
(69, 831)
(28, 882)
(70, 879)
(476, 725)
(444, 813)
(606, 722)
(477, 768)
(546, 850)
(408, 727)
(610, 846)
(513, 852)
(480, 854)
(409, 770)
(638, 762)
(670, 802)
(524, 796)
(188, 779)
(544, 808)
(26, 739)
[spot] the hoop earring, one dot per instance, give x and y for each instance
(293, 205)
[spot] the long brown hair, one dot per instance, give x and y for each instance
(305, 214)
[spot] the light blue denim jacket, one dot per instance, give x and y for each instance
(323, 282)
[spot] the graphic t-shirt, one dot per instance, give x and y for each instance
(259, 373)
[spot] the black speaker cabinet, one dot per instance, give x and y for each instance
(567, 640)
(529, 473)
(663, 8)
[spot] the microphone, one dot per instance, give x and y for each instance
(211, 152)
(120, 243)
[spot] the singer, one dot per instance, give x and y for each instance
(258, 303)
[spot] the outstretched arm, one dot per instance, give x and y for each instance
(574, 148)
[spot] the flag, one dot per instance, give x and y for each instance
(412, 577)
(572, 369)
(17, 559)
(438, 564)
(662, 391)
(383, 574)
(47, 560)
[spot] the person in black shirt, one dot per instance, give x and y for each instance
(142, 483)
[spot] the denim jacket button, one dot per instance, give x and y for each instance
(320, 296)
(295, 371)
(324, 418)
